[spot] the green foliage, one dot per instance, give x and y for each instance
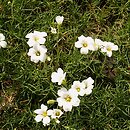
(25, 85)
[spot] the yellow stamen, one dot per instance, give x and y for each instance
(44, 113)
(85, 44)
(57, 113)
(68, 98)
(36, 39)
(108, 48)
(37, 53)
(78, 89)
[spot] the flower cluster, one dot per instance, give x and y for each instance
(88, 43)
(3, 43)
(45, 115)
(67, 98)
(37, 50)
(59, 20)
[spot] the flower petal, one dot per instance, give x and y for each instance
(38, 111)
(38, 118)
(62, 91)
(84, 50)
(3, 44)
(78, 44)
(46, 121)
(43, 107)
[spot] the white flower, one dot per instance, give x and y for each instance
(79, 87)
(59, 19)
(97, 44)
(38, 53)
(53, 30)
(3, 43)
(85, 43)
(108, 47)
(56, 113)
(58, 76)
(43, 115)
(67, 99)
(88, 85)
(36, 38)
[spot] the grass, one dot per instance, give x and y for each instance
(25, 85)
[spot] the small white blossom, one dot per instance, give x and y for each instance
(43, 115)
(58, 76)
(68, 99)
(88, 85)
(3, 43)
(85, 43)
(36, 38)
(108, 47)
(53, 30)
(79, 87)
(56, 113)
(59, 19)
(37, 53)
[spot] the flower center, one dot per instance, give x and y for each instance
(44, 113)
(78, 89)
(38, 53)
(68, 98)
(85, 44)
(57, 113)
(36, 39)
(108, 48)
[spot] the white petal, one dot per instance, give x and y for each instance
(60, 102)
(76, 102)
(46, 120)
(60, 71)
(84, 50)
(81, 38)
(49, 112)
(109, 53)
(62, 91)
(38, 118)
(43, 107)
(31, 43)
(34, 59)
(78, 44)
(88, 91)
(2, 37)
(29, 35)
(67, 107)
(103, 49)
(41, 40)
(44, 34)
(115, 48)
(38, 111)
(90, 80)
(42, 58)
(31, 52)
(3, 44)
(73, 92)
(82, 92)
(54, 77)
